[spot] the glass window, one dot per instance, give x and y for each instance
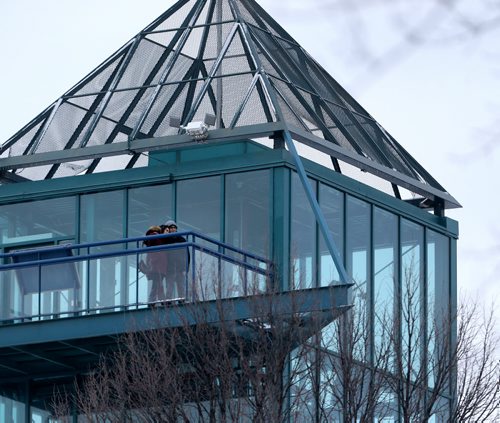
(438, 297)
(102, 219)
(412, 240)
(303, 235)
(248, 209)
(102, 216)
(358, 242)
(38, 220)
(148, 206)
(199, 205)
(332, 205)
(385, 265)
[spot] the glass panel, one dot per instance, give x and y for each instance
(199, 206)
(11, 411)
(358, 242)
(386, 409)
(16, 301)
(331, 393)
(148, 206)
(412, 239)
(303, 235)
(208, 275)
(438, 299)
(178, 261)
(302, 379)
(102, 219)
(332, 204)
(105, 282)
(385, 257)
(37, 220)
(102, 216)
(248, 211)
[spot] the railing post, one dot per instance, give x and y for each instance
(137, 276)
(39, 288)
(193, 272)
(87, 311)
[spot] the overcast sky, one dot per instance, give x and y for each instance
(429, 74)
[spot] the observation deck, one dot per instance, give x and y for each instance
(63, 313)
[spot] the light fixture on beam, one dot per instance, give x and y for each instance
(198, 130)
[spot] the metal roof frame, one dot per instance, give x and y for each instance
(228, 58)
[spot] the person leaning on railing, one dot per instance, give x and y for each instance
(178, 261)
(154, 265)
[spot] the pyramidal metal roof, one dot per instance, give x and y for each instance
(228, 58)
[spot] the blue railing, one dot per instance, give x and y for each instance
(79, 279)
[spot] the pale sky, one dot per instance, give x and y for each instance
(414, 66)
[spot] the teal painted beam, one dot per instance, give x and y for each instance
(323, 226)
(370, 166)
(322, 299)
(136, 146)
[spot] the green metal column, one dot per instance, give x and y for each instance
(281, 226)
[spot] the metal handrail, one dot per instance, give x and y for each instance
(124, 241)
(247, 262)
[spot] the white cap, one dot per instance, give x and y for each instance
(170, 223)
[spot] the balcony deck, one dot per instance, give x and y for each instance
(61, 316)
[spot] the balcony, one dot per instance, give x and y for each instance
(82, 279)
(62, 307)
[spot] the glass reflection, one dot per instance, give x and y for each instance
(247, 203)
(303, 235)
(332, 205)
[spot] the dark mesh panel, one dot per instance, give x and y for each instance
(273, 50)
(121, 101)
(227, 13)
(371, 147)
(211, 47)
(267, 66)
(230, 65)
(103, 130)
(236, 46)
(335, 86)
(234, 90)
(158, 107)
(379, 138)
(340, 139)
(95, 83)
(321, 85)
(271, 25)
(179, 69)
(176, 19)
(85, 102)
(72, 168)
(35, 173)
(163, 38)
(314, 80)
(247, 16)
(202, 18)
(295, 104)
(192, 45)
(205, 106)
(62, 128)
(176, 110)
(289, 115)
(360, 139)
(254, 112)
(22, 143)
(139, 69)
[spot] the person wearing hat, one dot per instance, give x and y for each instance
(154, 266)
(178, 261)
